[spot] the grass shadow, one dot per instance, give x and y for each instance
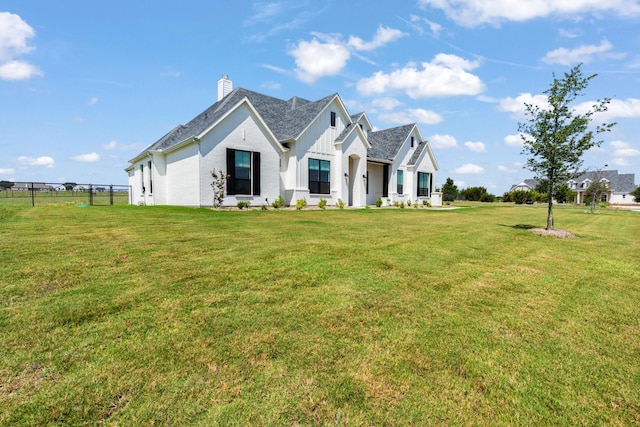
(520, 226)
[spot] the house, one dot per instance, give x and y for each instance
(296, 148)
(29, 186)
(526, 185)
(618, 185)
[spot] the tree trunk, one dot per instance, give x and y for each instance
(550, 207)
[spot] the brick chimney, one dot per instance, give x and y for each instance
(225, 86)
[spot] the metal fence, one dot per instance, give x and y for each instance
(42, 193)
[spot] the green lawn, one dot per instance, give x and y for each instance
(131, 315)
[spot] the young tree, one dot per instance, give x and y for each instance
(636, 194)
(449, 191)
(595, 192)
(555, 137)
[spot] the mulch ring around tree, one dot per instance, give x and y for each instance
(562, 234)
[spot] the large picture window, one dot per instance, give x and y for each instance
(400, 182)
(243, 168)
(423, 184)
(319, 176)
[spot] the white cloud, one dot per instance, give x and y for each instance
(514, 140)
(87, 158)
(623, 149)
(470, 13)
(581, 54)
(316, 59)
(621, 161)
(617, 108)
(469, 168)
(7, 171)
(93, 101)
(327, 54)
(445, 75)
(39, 161)
(434, 27)
(412, 115)
(115, 145)
(14, 34)
(386, 103)
(383, 36)
(476, 147)
(442, 141)
(516, 105)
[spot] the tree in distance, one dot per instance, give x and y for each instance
(449, 191)
(556, 136)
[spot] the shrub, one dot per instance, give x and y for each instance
(243, 204)
(322, 203)
(264, 208)
(340, 204)
(488, 198)
(408, 202)
(378, 202)
(520, 196)
(301, 203)
(401, 205)
(425, 203)
(278, 203)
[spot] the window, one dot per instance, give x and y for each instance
(142, 178)
(319, 173)
(150, 178)
(412, 141)
(400, 181)
(243, 168)
(333, 119)
(423, 184)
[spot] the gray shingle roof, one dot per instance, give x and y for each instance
(623, 183)
(417, 152)
(386, 143)
(620, 183)
(286, 119)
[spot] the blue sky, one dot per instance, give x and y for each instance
(85, 86)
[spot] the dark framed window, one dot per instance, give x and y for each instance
(412, 141)
(142, 178)
(400, 181)
(385, 181)
(333, 119)
(319, 176)
(423, 184)
(243, 168)
(150, 177)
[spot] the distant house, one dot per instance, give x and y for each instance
(293, 148)
(27, 186)
(619, 186)
(526, 185)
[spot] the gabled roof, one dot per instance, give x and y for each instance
(623, 183)
(386, 143)
(285, 119)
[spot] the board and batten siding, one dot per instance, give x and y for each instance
(241, 130)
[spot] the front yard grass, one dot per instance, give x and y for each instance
(131, 315)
